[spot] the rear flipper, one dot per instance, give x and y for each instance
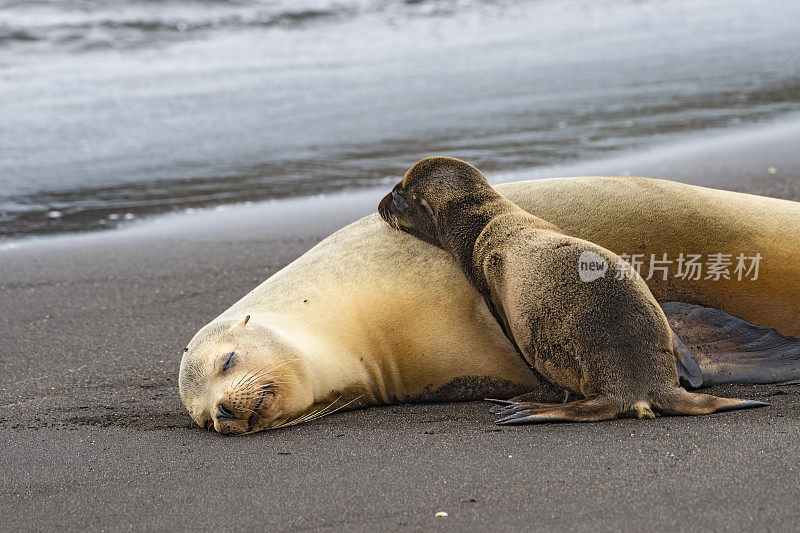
(727, 349)
(681, 402)
(588, 410)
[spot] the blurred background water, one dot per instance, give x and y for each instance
(115, 109)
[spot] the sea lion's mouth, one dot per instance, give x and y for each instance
(393, 222)
(255, 418)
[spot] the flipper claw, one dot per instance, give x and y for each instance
(501, 406)
(499, 402)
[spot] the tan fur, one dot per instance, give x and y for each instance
(340, 309)
(647, 216)
(403, 305)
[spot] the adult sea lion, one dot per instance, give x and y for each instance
(376, 313)
(603, 336)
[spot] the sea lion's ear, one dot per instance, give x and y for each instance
(243, 323)
(426, 205)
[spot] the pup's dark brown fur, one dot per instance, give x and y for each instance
(606, 339)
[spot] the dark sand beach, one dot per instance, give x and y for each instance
(95, 436)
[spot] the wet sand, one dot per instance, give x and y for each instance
(95, 436)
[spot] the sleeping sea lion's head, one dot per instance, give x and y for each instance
(237, 377)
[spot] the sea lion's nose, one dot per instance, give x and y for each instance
(399, 202)
(223, 412)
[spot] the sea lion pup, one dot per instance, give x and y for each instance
(604, 337)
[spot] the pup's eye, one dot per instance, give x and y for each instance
(228, 361)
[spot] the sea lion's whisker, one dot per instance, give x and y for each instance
(255, 391)
(242, 379)
(337, 409)
(319, 413)
(302, 418)
(252, 393)
(253, 377)
(284, 363)
(256, 387)
(307, 416)
(260, 374)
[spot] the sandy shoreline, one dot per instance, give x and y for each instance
(93, 326)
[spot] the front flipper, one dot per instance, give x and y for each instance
(587, 410)
(546, 392)
(728, 349)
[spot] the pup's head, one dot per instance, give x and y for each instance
(427, 188)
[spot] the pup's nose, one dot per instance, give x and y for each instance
(399, 202)
(223, 412)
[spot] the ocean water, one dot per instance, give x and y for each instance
(111, 110)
